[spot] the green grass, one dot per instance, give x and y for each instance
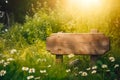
(35, 56)
(26, 45)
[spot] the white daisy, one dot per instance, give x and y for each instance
(6, 30)
(25, 68)
(42, 71)
(10, 59)
(2, 61)
(76, 68)
(32, 70)
(13, 51)
(80, 72)
(94, 67)
(108, 70)
(30, 77)
(84, 74)
(2, 72)
(49, 66)
(68, 70)
(116, 65)
(94, 71)
(88, 69)
(104, 66)
(6, 63)
(112, 59)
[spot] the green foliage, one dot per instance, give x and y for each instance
(23, 7)
(25, 45)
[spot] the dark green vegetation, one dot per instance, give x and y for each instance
(23, 53)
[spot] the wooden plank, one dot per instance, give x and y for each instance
(77, 43)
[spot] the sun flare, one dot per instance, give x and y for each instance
(85, 4)
(89, 3)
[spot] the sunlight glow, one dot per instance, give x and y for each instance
(90, 3)
(85, 4)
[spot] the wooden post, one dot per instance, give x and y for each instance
(59, 58)
(93, 59)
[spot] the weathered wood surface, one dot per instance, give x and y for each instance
(77, 43)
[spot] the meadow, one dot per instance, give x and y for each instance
(23, 54)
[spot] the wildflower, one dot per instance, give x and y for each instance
(68, 70)
(76, 68)
(88, 69)
(71, 55)
(94, 71)
(31, 70)
(6, 30)
(112, 59)
(116, 65)
(30, 77)
(38, 60)
(94, 67)
(25, 68)
(10, 59)
(104, 66)
(42, 71)
(41, 60)
(108, 70)
(2, 61)
(84, 74)
(2, 72)
(6, 63)
(49, 66)
(37, 78)
(13, 51)
(80, 72)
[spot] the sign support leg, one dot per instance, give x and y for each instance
(93, 59)
(59, 58)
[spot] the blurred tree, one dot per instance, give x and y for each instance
(20, 8)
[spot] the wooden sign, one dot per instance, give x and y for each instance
(77, 43)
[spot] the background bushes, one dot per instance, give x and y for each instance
(26, 42)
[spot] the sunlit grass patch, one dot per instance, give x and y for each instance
(34, 62)
(23, 54)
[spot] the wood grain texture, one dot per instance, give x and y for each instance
(78, 43)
